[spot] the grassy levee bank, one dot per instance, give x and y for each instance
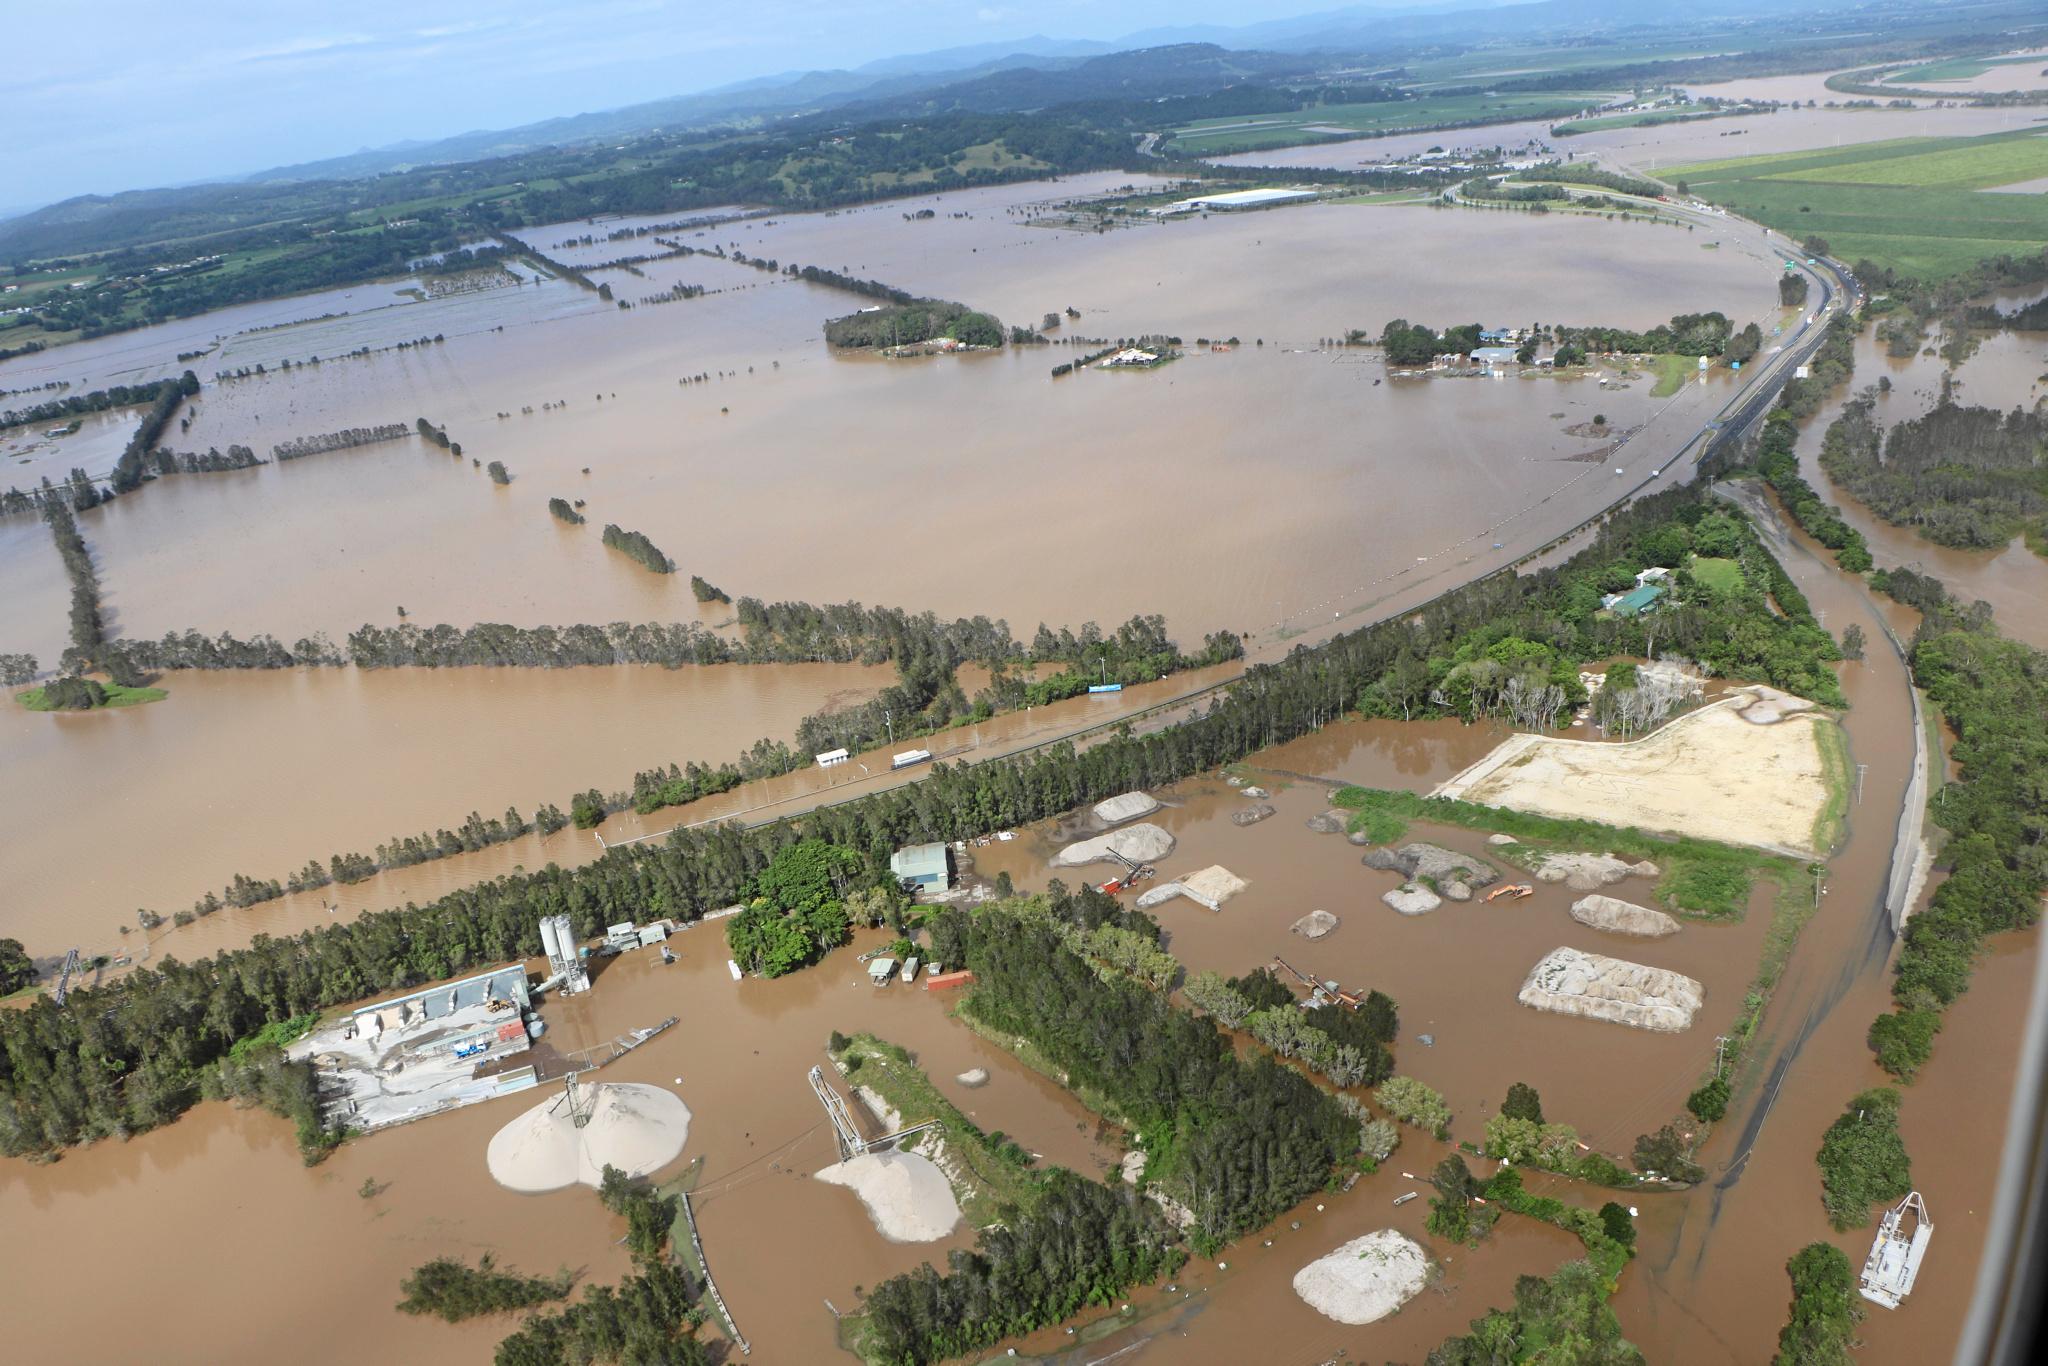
(991, 1175)
(116, 695)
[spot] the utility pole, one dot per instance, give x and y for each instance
(1720, 1043)
(1860, 770)
(890, 721)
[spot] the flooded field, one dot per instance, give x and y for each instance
(779, 1242)
(257, 772)
(569, 722)
(859, 452)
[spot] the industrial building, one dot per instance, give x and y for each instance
(1491, 356)
(1236, 199)
(923, 867)
(435, 1049)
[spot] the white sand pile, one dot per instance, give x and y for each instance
(633, 1127)
(973, 1076)
(1412, 898)
(1127, 806)
(1500, 838)
(906, 1195)
(1314, 925)
(1568, 982)
(1366, 1279)
(1212, 886)
(1622, 917)
(1457, 889)
(1141, 843)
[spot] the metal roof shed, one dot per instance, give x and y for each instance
(927, 865)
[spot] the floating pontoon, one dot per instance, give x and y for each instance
(1894, 1259)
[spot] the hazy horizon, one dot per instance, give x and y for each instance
(239, 87)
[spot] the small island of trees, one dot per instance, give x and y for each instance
(636, 547)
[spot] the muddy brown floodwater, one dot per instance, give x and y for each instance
(1692, 1294)
(298, 1266)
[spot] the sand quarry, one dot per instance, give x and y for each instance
(1744, 770)
(905, 1193)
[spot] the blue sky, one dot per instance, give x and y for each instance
(107, 95)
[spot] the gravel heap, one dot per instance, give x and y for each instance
(1412, 898)
(906, 1195)
(1569, 982)
(1591, 872)
(1622, 917)
(1125, 807)
(1314, 925)
(1251, 815)
(1366, 1279)
(1435, 862)
(1330, 822)
(1142, 843)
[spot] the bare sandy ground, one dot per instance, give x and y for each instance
(1366, 1279)
(1711, 773)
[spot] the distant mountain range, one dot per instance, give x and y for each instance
(1027, 72)
(1038, 71)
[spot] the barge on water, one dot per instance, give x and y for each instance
(1894, 1259)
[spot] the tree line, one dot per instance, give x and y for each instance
(78, 405)
(299, 447)
(1236, 1142)
(650, 1316)
(130, 1054)
(1992, 692)
(635, 546)
(918, 320)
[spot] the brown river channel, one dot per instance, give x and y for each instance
(1274, 489)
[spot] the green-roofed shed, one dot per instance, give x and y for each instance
(1638, 599)
(923, 866)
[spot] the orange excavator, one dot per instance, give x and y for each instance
(1513, 891)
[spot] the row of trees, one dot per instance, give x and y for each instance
(1083, 1242)
(1993, 693)
(1236, 1142)
(635, 546)
(650, 1316)
(59, 410)
(301, 446)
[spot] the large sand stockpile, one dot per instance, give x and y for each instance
(633, 1127)
(1366, 1279)
(1711, 773)
(1568, 982)
(1139, 843)
(906, 1195)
